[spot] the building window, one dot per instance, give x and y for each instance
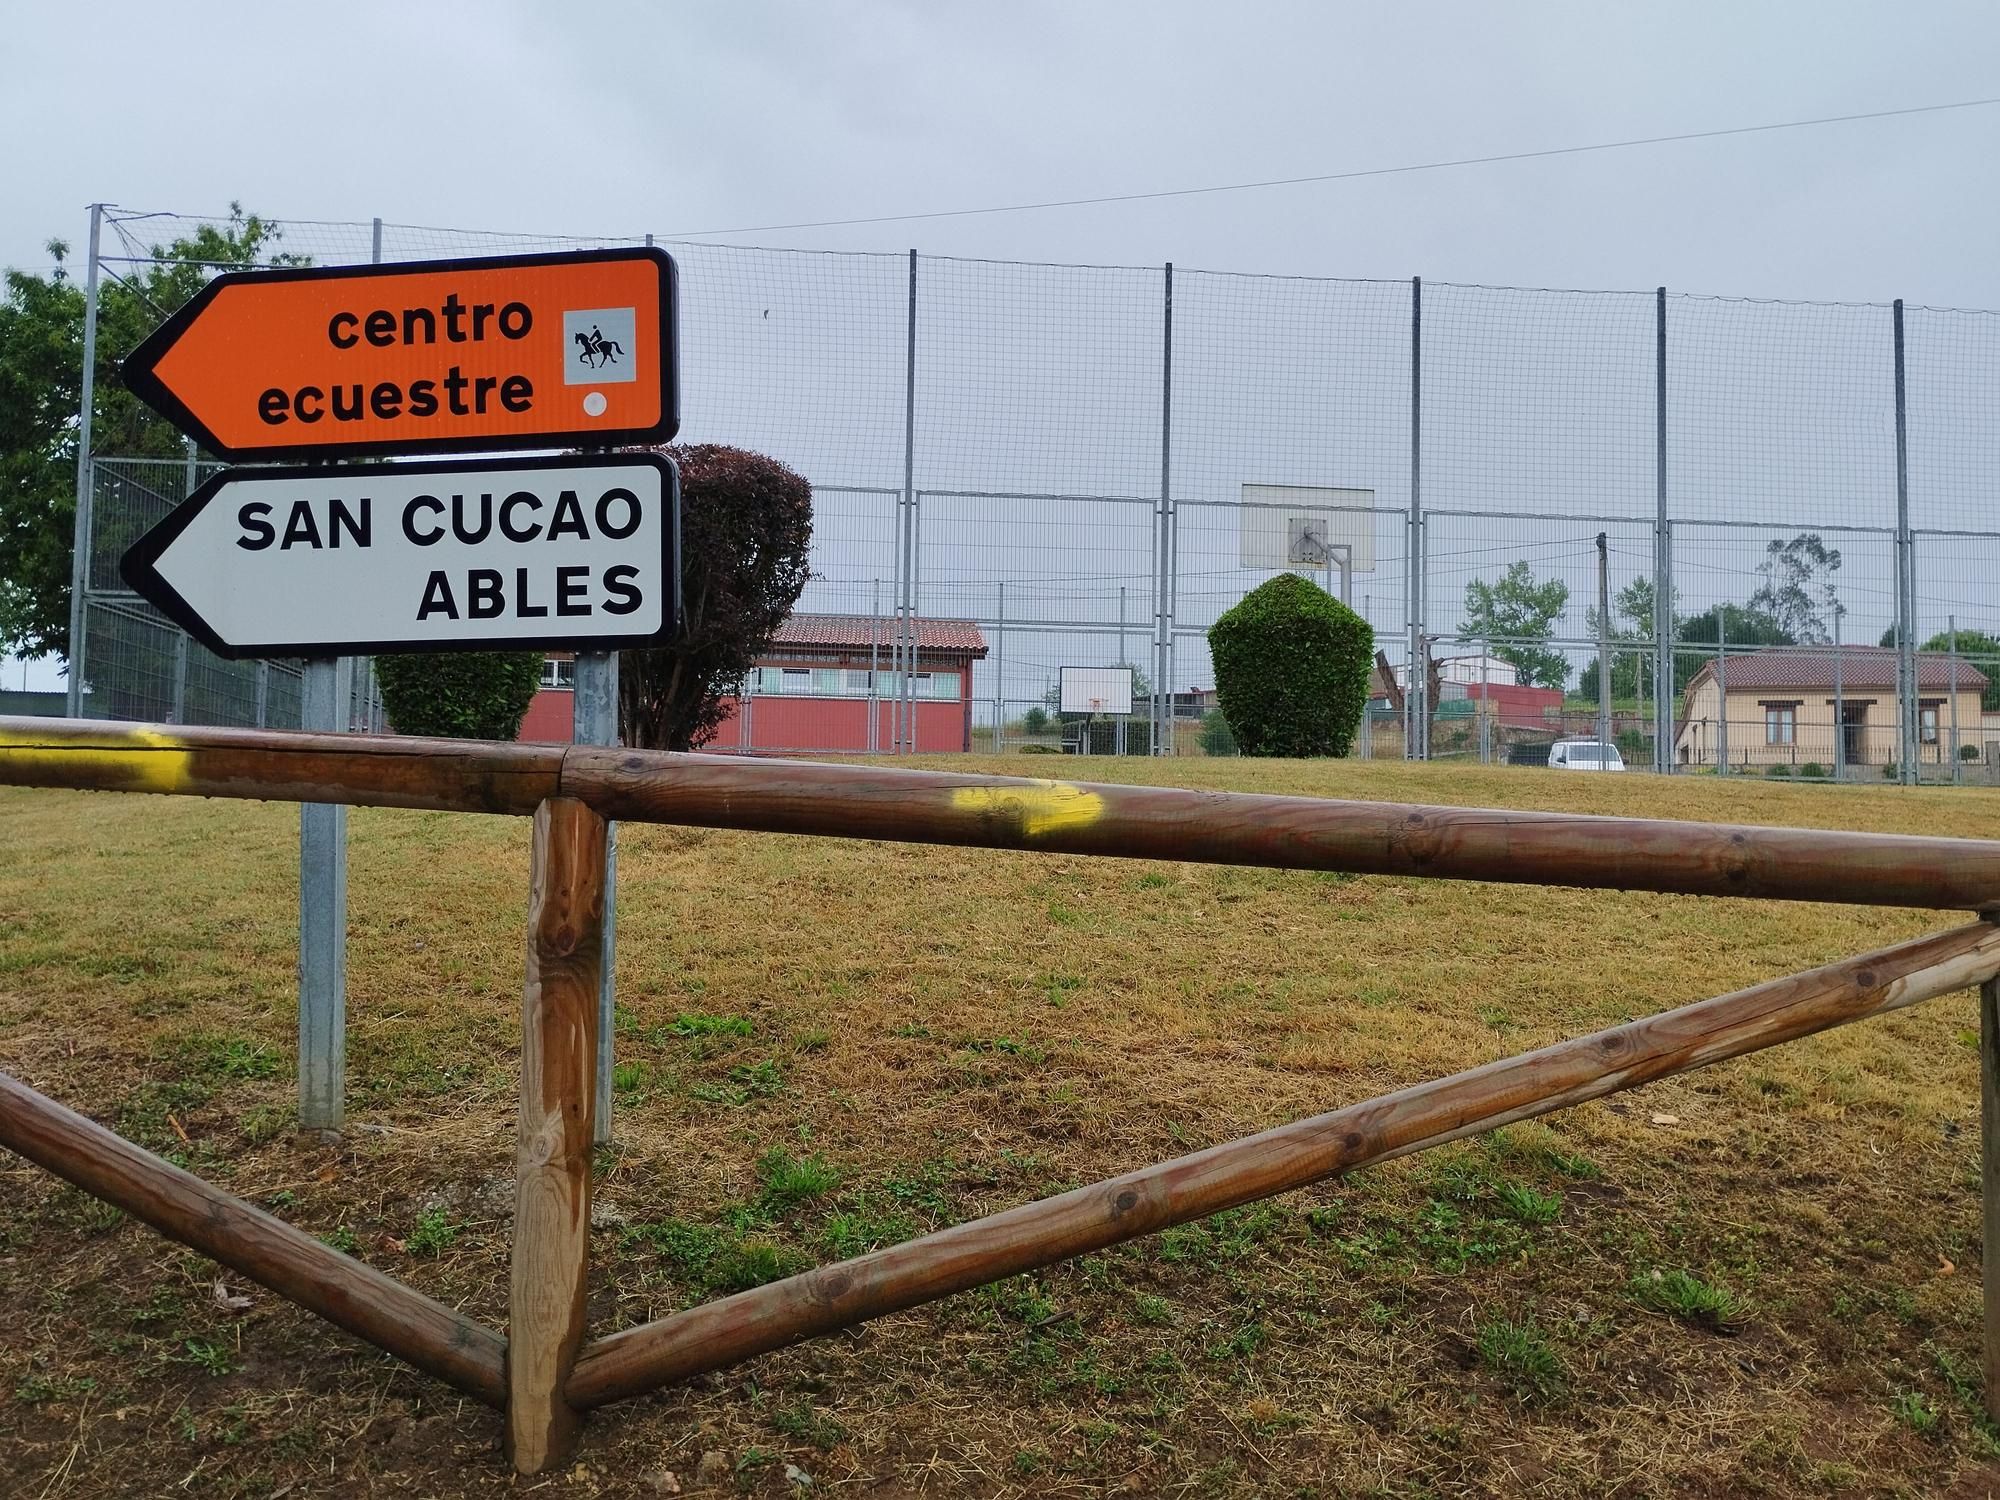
(1927, 723)
(1780, 725)
(560, 675)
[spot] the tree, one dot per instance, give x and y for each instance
(1517, 615)
(1217, 738)
(1797, 591)
(1978, 649)
(1631, 642)
(41, 382)
(1745, 626)
(470, 695)
(746, 527)
(1291, 669)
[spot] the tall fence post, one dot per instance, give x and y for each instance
(1663, 555)
(1603, 640)
(324, 690)
(594, 721)
(999, 670)
(1163, 526)
(552, 1162)
(79, 567)
(1416, 718)
(1952, 624)
(1906, 573)
(1722, 691)
(903, 656)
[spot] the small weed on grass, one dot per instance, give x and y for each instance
(434, 1232)
(1520, 1355)
(1915, 1411)
(1683, 1295)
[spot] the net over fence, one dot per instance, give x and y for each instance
(1019, 468)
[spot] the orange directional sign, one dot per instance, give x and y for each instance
(532, 351)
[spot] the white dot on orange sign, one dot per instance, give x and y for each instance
(594, 404)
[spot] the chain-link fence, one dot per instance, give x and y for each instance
(1019, 468)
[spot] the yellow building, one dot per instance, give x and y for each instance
(1783, 703)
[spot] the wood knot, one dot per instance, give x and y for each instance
(833, 1288)
(1353, 1141)
(1865, 978)
(1416, 837)
(1126, 1201)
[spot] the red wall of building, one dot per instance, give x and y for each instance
(551, 718)
(1514, 704)
(786, 723)
(839, 725)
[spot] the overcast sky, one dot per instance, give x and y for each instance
(623, 118)
(627, 118)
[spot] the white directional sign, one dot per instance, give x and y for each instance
(578, 552)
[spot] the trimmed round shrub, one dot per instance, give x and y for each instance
(1777, 769)
(1968, 752)
(1291, 669)
(461, 695)
(1812, 769)
(1217, 738)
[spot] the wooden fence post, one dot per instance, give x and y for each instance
(552, 1169)
(1989, 1176)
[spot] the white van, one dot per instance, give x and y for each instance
(1584, 755)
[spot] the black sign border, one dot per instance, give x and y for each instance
(141, 377)
(138, 567)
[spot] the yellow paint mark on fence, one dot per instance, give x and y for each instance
(1038, 808)
(120, 760)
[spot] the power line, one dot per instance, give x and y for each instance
(1348, 176)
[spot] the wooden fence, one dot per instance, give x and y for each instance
(543, 1374)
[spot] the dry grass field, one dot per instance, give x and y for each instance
(1762, 1279)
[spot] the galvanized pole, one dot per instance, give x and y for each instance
(1839, 700)
(178, 714)
(1485, 703)
(1000, 672)
(1603, 646)
(1956, 778)
(906, 630)
(326, 696)
(324, 689)
(1906, 613)
(1413, 696)
(1663, 555)
(79, 567)
(1162, 564)
(594, 721)
(874, 670)
(1722, 690)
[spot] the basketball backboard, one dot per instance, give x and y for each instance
(1307, 526)
(1095, 690)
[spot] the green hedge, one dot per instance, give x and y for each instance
(1291, 669)
(465, 695)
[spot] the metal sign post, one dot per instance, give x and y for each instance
(343, 560)
(594, 710)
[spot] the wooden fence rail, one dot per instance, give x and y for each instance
(1290, 1156)
(1000, 812)
(544, 1374)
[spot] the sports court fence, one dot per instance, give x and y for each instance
(1086, 465)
